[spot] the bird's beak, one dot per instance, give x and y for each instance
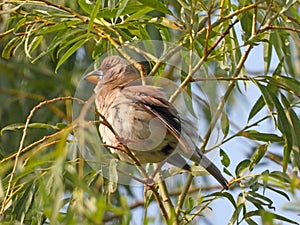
(94, 76)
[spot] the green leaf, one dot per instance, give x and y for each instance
(70, 40)
(236, 214)
(267, 97)
(288, 83)
(255, 159)
(268, 48)
(246, 23)
(225, 158)
(60, 38)
(280, 176)
(279, 67)
(138, 12)
(266, 137)
(157, 5)
(11, 46)
(286, 129)
(58, 27)
(145, 36)
(275, 216)
(256, 202)
(25, 200)
(122, 7)
(35, 43)
(93, 14)
(242, 167)
(227, 172)
(70, 51)
(250, 221)
(259, 104)
(226, 195)
(86, 7)
(262, 199)
(225, 124)
(165, 22)
(17, 126)
(284, 194)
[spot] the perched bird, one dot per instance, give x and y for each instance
(147, 123)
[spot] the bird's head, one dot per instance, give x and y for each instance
(113, 69)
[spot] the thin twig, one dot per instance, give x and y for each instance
(199, 64)
(224, 99)
(183, 194)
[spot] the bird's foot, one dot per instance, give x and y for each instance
(149, 182)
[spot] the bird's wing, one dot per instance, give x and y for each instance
(153, 100)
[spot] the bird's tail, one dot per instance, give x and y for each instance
(212, 169)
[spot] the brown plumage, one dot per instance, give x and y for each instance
(143, 117)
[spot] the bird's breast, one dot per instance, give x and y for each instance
(143, 133)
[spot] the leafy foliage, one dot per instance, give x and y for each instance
(46, 45)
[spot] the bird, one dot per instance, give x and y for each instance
(141, 117)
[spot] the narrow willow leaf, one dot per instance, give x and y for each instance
(225, 158)
(85, 6)
(235, 49)
(225, 195)
(157, 5)
(275, 216)
(242, 167)
(11, 46)
(73, 40)
(246, 23)
(60, 38)
(296, 131)
(165, 22)
(70, 51)
(58, 27)
(133, 11)
(290, 84)
(267, 54)
(279, 67)
(266, 137)
(260, 152)
(18, 126)
(284, 194)
(25, 200)
(256, 202)
(93, 15)
(236, 213)
(137, 14)
(191, 203)
(280, 176)
(267, 97)
(145, 36)
(259, 104)
(225, 124)
(274, 38)
(286, 129)
(35, 43)
(225, 170)
(293, 119)
(122, 6)
(250, 221)
(263, 199)
(20, 24)
(165, 34)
